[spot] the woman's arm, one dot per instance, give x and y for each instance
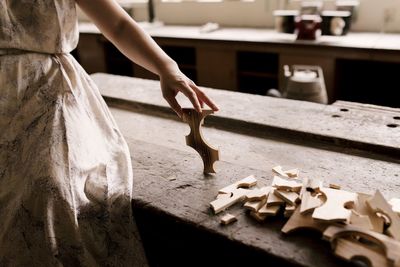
(138, 46)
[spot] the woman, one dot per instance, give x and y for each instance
(65, 173)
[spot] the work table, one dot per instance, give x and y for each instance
(355, 149)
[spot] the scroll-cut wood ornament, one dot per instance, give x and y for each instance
(195, 139)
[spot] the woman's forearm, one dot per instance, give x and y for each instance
(127, 35)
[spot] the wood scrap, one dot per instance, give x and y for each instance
(359, 220)
(269, 211)
(390, 246)
(294, 173)
(362, 208)
(255, 205)
(274, 200)
(289, 210)
(289, 197)
(303, 221)
(284, 184)
(395, 203)
(259, 217)
(247, 182)
(223, 203)
(258, 193)
(310, 185)
(333, 210)
(335, 186)
(378, 204)
(196, 140)
(349, 249)
(228, 219)
(278, 170)
(309, 202)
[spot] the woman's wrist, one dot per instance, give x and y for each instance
(168, 68)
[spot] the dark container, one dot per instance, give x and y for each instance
(335, 22)
(285, 20)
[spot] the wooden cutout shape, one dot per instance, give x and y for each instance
(350, 249)
(196, 140)
(289, 210)
(309, 202)
(284, 184)
(310, 185)
(268, 211)
(303, 221)
(258, 193)
(274, 200)
(228, 219)
(333, 210)
(335, 186)
(294, 173)
(289, 197)
(362, 208)
(390, 246)
(395, 203)
(223, 203)
(278, 170)
(247, 182)
(379, 204)
(234, 193)
(255, 205)
(360, 220)
(259, 217)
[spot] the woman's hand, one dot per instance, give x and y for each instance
(174, 81)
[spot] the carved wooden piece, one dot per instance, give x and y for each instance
(259, 193)
(287, 196)
(255, 205)
(232, 194)
(309, 202)
(395, 202)
(284, 184)
(301, 221)
(228, 219)
(379, 204)
(268, 211)
(274, 200)
(333, 210)
(349, 249)
(195, 139)
(362, 208)
(390, 246)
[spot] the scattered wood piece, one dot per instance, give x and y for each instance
(395, 203)
(359, 220)
(269, 211)
(228, 219)
(223, 195)
(171, 178)
(196, 140)
(274, 200)
(278, 170)
(255, 205)
(301, 221)
(362, 208)
(294, 173)
(289, 197)
(259, 217)
(310, 185)
(349, 249)
(223, 203)
(379, 204)
(390, 246)
(247, 182)
(289, 210)
(333, 210)
(335, 186)
(284, 184)
(309, 202)
(258, 193)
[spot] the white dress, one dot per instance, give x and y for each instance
(65, 169)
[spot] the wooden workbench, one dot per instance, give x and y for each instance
(354, 148)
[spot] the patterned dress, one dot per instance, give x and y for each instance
(65, 173)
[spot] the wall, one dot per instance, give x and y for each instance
(258, 13)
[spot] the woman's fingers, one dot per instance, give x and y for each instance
(190, 93)
(204, 98)
(174, 105)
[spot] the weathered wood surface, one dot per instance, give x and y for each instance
(357, 128)
(157, 143)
